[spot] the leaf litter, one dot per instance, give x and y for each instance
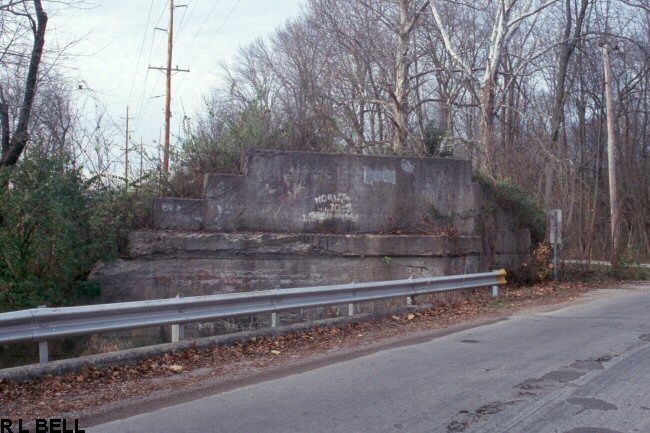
(94, 389)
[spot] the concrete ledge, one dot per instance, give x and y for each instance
(187, 244)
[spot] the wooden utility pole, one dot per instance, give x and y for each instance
(614, 206)
(168, 93)
(141, 156)
(168, 85)
(126, 148)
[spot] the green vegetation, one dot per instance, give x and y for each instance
(54, 226)
(526, 208)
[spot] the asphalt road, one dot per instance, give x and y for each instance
(580, 369)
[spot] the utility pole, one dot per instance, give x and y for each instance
(126, 149)
(168, 72)
(614, 206)
(141, 154)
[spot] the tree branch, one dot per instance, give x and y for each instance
(447, 41)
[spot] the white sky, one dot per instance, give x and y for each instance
(116, 45)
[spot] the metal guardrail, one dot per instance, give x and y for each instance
(43, 323)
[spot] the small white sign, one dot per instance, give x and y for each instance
(555, 227)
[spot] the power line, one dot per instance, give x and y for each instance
(219, 28)
(143, 97)
(162, 14)
(216, 32)
(144, 38)
(187, 15)
(205, 20)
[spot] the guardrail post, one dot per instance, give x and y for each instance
(501, 279)
(178, 330)
(43, 352)
(274, 315)
(351, 304)
(43, 349)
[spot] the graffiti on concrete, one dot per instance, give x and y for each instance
(373, 176)
(407, 166)
(170, 207)
(331, 207)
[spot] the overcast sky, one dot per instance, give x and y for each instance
(117, 42)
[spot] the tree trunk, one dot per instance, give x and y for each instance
(400, 103)
(569, 45)
(488, 138)
(20, 137)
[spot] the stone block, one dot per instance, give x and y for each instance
(513, 241)
(178, 213)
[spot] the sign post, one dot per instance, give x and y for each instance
(555, 237)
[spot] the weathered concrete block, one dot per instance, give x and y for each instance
(140, 279)
(513, 241)
(305, 192)
(178, 213)
(510, 261)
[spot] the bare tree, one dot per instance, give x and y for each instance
(517, 85)
(508, 16)
(36, 18)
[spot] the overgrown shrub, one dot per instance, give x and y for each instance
(120, 210)
(537, 270)
(215, 143)
(527, 210)
(54, 225)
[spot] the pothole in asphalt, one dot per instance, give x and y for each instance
(530, 387)
(645, 337)
(591, 430)
(530, 384)
(469, 341)
(592, 403)
(588, 365)
(604, 358)
(466, 418)
(563, 376)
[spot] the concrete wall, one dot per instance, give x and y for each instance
(304, 192)
(166, 263)
(304, 219)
